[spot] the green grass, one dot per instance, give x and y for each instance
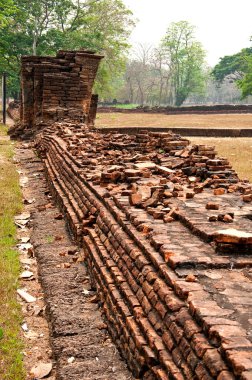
(11, 346)
(126, 106)
(49, 239)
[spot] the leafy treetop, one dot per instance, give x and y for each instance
(41, 27)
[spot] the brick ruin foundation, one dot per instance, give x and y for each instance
(166, 227)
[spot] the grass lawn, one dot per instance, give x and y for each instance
(11, 366)
(159, 120)
(126, 106)
(237, 150)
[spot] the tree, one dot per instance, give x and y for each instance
(139, 75)
(245, 83)
(7, 8)
(184, 58)
(232, 66)
(44, 26)
(236, 68)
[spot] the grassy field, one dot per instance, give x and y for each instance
(11, 367)
(159, 120)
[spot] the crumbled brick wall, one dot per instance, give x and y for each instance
(149, 210)
(56, 88)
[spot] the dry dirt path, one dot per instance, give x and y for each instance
(81, 347)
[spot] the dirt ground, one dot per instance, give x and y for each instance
(35, 328)
(160, 120)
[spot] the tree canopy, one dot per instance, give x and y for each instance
(184, 56)
(237, 68)
(169, 73)
(44, 26)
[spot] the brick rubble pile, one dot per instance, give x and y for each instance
(167, 231)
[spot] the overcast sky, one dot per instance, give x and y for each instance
(223, 26)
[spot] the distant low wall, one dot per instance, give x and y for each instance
(200, 132)
(220, 108)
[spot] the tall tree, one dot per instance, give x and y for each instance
(169, 73)
(184, 58)
(45, 26)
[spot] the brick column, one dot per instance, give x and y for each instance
(27, 85)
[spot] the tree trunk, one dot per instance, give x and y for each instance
(34, 45)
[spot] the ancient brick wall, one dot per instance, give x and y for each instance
(167, 233)
(57, 88)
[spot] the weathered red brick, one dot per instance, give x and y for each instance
(213, 361)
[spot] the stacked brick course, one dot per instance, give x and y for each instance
(150, 211)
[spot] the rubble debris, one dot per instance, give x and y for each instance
(247, 198)
(41, 370)
(212, 206)
(26, 296)
(24, 327)
(26, 275)
(233, 236)
(22, 219)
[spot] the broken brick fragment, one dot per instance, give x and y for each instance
(135, 199)
(212, 206)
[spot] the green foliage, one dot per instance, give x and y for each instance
(245, 84)
(44, 26)
(185, 59)
(7, 9)
(234, 65)
(237, 68)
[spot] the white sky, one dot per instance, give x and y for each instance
(222, 26)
